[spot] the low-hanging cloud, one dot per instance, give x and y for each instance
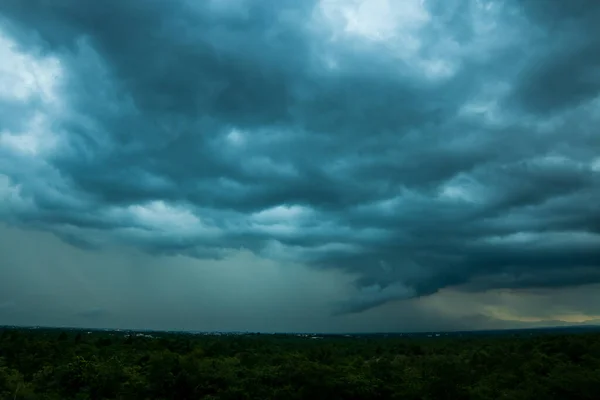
(414, 145)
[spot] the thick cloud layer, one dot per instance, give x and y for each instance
(414, 145)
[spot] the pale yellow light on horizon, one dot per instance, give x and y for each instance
(506, 314)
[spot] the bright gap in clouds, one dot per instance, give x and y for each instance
(159, 215)
(379, 20)
(408, 33)
(25, 79)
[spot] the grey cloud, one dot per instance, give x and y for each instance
(185, 125)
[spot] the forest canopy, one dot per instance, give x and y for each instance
(60, 364)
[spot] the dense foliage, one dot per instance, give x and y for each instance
(79, 365)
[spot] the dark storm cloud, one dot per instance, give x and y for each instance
(205, 127)
(565, 72)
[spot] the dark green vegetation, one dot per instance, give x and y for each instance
(52, 364)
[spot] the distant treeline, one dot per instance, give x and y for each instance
(54, 364)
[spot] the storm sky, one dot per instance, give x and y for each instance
(331, 165)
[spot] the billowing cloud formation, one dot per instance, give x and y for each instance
(414, 145)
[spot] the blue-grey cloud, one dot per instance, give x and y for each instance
(413, 145)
